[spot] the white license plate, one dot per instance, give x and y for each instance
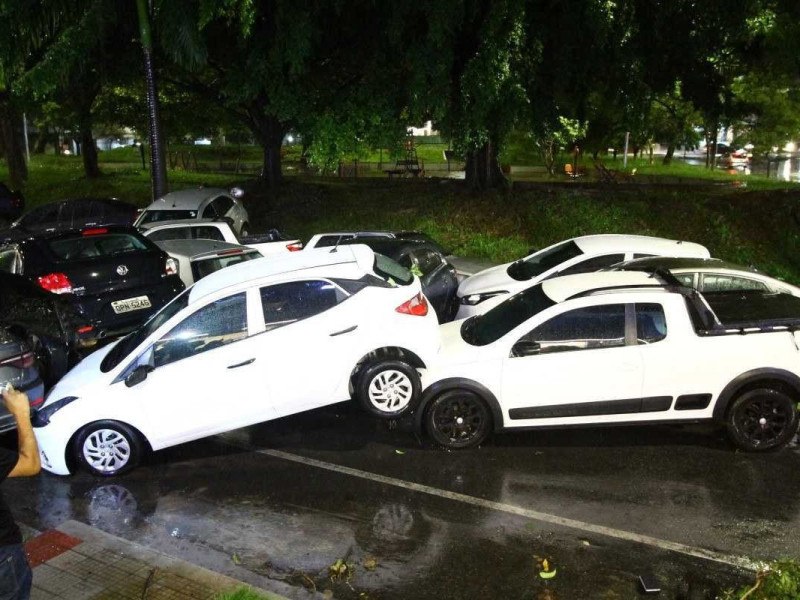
(129, 304)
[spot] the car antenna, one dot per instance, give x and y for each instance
(336, 245)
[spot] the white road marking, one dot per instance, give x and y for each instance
(620, 534)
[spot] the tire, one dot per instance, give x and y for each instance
(124, 448)
(458, 419)
(762, 419)
(388, 390)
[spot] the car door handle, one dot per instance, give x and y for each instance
(242, 364)
(343, 331)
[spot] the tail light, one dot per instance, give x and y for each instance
(84, 329)
(171, 266)
(20, 361)
(58, 283)
(294, 246)
(417, 306)
(94, 231)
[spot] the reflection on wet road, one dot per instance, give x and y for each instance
(277, 522)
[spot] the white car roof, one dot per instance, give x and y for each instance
(603, 243)
(177, 223)
(189, 199)
(195, 248)
(559, 289)
(358, 254)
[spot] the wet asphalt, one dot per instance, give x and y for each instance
(383, 514)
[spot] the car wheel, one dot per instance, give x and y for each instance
(762, 419)
(388, 390)
(108, 448)
(458, 419)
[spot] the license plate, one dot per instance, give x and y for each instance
(130, 304)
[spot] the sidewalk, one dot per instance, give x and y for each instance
(79, 562)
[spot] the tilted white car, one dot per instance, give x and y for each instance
(198, 203)
(199, 258)
(484, 290)
(614, 348)
(249, 343)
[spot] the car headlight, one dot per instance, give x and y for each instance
(42, 416)
(473, 299)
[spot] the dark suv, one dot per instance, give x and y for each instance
(115, 277)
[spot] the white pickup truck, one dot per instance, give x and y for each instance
(619, 348)
(268, 243)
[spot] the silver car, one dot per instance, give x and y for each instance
(198, 203)
(18, 367)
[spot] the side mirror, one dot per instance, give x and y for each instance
(138, 375)
(525, 348)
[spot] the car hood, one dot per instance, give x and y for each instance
(454, 350)
(82, 377)
(488, 280)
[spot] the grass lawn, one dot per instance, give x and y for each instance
(753, 225)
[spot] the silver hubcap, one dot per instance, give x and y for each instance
(390, 391)
(106, 450)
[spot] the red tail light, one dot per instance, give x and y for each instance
(417, 306)
(84, 329)
(20, 361)
(58, 283)
(94, 231)
(294, 247)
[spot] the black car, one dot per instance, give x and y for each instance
(11, 203)
(74, 213)
(114, 277)
(426, 259)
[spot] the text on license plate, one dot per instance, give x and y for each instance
(129, 304)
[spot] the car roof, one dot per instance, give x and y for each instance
(178, 223)
(284, 263)
(684, 263)
(189, 199)
(598, 244)
(393, 247)
(559, 289)
(196, 248)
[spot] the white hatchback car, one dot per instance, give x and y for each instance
(486, 289)
(199, 258)
(249, 343)
(198, 203)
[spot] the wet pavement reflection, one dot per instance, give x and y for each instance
(274, 522)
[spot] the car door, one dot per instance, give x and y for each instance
(577, 366)
(310, 342)
(205, 376)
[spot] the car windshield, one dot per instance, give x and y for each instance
(94, 246)
(206, 266)
(152, 216)
(528, 268)
(391, 271)
(489, 327)
(127, 344)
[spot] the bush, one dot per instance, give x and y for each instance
(780, 580)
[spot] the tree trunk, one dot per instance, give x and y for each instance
(667, 160)
(13, 145)
(482, 170)
(269, 131)
(41, 140)
(89, 150)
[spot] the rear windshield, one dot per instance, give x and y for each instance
(391, 271)
(495, 323)
(93, 246)
(152, 216)
(206, 266)
(535, 265)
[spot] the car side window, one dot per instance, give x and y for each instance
(640, 255)
(327, 241)
(586, 328)
(427, 260)
(207, 233)
(170, 233)
(217, 324)
(730, 283)
(593, 264)
(286, 303)
(686, 279)
(210, 212)
(222, 205)
(8, 261)
(651, 325)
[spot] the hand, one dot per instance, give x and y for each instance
(16, 402)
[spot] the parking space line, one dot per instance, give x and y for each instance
(620, 534)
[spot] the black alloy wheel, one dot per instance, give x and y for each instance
(458, 419)
(762, 419)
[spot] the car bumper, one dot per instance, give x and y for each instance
(52, 449)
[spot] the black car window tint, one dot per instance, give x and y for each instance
(8, 260)
(207, 233)
(170, 233)
(640, 255)
(428, 261)
(651, 325)
(730, 283)
(222, 205)
(593, 264)
(210, 212)
(489, 327)
(286, 303)
(528, 268)
(405, 261)
(41, 216)
(90, 246)
(586, 328)
(220, 323)
(201, 268)
(327, 241)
